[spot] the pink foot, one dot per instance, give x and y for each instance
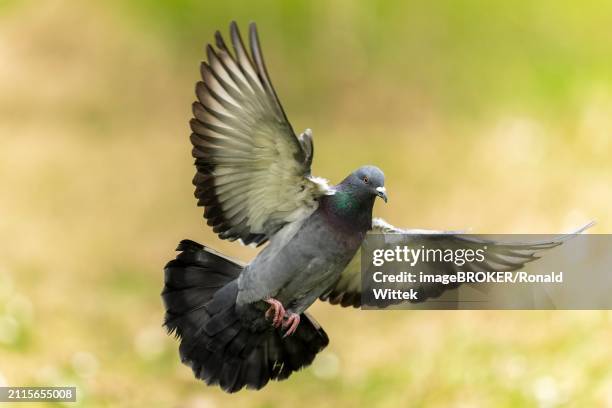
(291, 323)
(276, 309)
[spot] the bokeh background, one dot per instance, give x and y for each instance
(494, 116)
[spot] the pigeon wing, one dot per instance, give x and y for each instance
(500, 256)
(253, 173)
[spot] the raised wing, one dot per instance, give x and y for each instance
(253, 173)
(500, 257)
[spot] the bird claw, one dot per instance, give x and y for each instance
(291, 323)
(277, 310)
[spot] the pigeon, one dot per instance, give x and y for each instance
(242, 325)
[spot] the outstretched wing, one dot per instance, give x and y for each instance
(500, 257)
(253, 173)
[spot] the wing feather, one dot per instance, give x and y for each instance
(500, 257)
(253, 173)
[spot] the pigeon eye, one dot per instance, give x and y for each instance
(366, 180)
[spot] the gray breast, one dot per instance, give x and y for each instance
(300, 269)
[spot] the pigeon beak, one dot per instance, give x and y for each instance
(382, 193)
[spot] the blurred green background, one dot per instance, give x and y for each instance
(495, 116)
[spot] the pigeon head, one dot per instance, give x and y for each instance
(367, 181)
(353, 199)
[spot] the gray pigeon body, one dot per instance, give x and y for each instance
(305, 258)
(244, 325)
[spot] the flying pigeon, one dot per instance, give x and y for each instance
(242, 325)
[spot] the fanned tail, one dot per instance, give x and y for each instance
(200, 301)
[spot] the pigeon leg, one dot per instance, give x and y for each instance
(276, 309)
(291, 323)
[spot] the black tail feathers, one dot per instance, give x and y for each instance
(191, 280)
(199, 296)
